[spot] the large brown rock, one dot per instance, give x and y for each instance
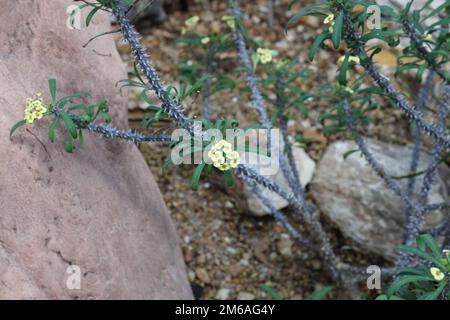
(99, 209)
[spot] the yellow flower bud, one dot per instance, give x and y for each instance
(428, 37)
(351, 60)
(205, 40)
(229, 21)
(329, 19)
(192, 22)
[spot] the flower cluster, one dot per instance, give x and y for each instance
(329, 20)
(264, 55)
(34, 109)
(223, 156)
(229, 21)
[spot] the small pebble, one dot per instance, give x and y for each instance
(223, 294)
(229, 205)
(245, 296)
(203, 275)
(285, 246)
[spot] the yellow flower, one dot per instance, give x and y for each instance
(29, 118)
(349, 90)
(351, 60)
(234, 163)
(329, 19)
(227, 148)
(229, 21)
(34, 108)
(215, 155)
(437, 274)
(447, 252)
(224, 167)
(264, 55)
(192, 22)
(205, 40)
(427, 37)
(331, 28)
(233, 155)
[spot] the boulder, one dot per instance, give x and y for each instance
(357, 200)
(91, 225)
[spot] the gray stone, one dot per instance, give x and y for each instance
(357, 200)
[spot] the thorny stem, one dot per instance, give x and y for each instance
(172, 108)
(415, 212)
(258, 101)
(206, 87)
(280, 102)
(437, 206)
(108, 131)
(423, 98)
(437, 148)
(417, 41)
(278, 215)
(260, 106)
(383, 82)
(331, 261)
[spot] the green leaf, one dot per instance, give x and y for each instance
(404, 281)
(319, 294)
(423, 255)
(62, 103)
(196, 176)
(385, 297)
(348, 153)
(80, 137)
(52, 86)
(317, 43)
(70, 125)
(51, 130)
(68, 146)
(17, 126)
(428, 240)
(228, 178)
(271, 292)
(313, 10)
(434, 294)
(138, 75)
(342, 78)
(91, 15)
(337, 30)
